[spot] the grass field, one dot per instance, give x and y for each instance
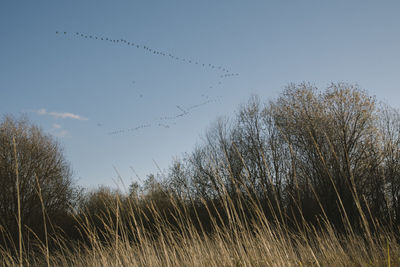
(240, 242)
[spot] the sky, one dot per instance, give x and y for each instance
(138, 96)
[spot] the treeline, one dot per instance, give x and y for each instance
(308, 157)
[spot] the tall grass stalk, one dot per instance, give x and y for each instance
(44, 221)
(18, 203)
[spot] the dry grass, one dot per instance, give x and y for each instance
(19, 203)
(251, 243)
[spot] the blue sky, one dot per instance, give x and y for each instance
(81, 90)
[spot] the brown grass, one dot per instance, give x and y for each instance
(252, 243)
(19, 203)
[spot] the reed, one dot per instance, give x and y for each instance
(18, 203)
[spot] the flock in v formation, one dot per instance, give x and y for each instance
(164, 121)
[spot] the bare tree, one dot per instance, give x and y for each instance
(336, 144)
(390, 129)
(41, 163)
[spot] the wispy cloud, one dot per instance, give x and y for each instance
(58, 131)
(61, 115)
(62, 133)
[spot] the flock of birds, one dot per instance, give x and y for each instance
(161, 121)
(186, 111)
